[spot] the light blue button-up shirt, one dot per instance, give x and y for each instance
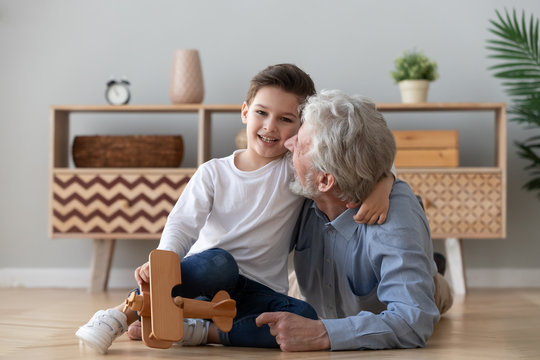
(372, 285)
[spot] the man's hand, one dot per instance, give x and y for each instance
(142, 273)
(294, 332)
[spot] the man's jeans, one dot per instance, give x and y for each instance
(204, 274)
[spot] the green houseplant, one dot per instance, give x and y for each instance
(413, 73)
(516, 49)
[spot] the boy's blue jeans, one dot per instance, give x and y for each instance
(204, 274)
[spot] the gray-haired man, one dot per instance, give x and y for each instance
(374, 286)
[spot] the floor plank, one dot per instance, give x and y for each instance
(484, 324)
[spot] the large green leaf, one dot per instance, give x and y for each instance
(516, 51)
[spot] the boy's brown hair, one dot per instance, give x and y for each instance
(287, 77)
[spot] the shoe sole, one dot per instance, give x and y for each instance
(92, 340)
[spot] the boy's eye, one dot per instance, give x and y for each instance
(260, 112)
(286, 119)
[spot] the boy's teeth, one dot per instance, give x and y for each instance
(266, 139)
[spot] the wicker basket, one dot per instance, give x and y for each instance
(128, 151)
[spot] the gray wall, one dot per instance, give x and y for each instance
(63, 52)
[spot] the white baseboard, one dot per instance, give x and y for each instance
(61, 278)
(123, 278)
(503, 278)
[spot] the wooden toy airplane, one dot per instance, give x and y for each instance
(162, 316)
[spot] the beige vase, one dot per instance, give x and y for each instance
(187, 85)
(413, 91)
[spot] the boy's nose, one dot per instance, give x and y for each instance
(289, 143)
(270, 123)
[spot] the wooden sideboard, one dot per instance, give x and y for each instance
(461, 202)
(105, 204)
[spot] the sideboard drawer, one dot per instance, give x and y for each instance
(461, 204)
(113, 205)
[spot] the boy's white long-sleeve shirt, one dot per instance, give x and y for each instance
(249, 214)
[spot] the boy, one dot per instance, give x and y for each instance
(233, 222)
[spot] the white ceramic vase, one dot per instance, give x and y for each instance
(187, 85)
(413, 91)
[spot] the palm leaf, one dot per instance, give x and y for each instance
(518, 74)
(524, 90)
(534, 138)
(509, 65)
(518, 63)
(520, 84)
(514, 53)
(497, 44)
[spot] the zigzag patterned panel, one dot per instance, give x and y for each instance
(460, 204)
(114, 204)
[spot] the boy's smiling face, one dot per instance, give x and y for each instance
(271, 119)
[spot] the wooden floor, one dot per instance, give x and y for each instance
(486, 324)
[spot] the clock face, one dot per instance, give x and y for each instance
(117, 94)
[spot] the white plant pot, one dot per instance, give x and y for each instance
(413, 91)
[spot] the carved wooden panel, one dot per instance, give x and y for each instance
(460, 204)
(118, 205)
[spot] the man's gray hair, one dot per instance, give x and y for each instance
(350, 140)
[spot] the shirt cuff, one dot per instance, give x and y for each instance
(339, 333)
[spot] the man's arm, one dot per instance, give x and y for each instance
(395, 259)
(398, 254)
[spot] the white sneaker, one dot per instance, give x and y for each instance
(102, 329)
(195, 332)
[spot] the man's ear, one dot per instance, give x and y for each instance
(244, 112)
(325, 182)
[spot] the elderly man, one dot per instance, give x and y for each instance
(373, 286)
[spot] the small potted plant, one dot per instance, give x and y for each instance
(413, 73)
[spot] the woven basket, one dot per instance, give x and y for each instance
(128, 151)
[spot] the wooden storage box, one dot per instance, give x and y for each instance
(128, 151)
(426, 148)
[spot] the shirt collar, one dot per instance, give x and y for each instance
(344, 223)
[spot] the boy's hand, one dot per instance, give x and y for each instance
(142, 273)
(375, 207)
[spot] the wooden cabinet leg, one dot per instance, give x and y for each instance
(101, 264)
(455, 265)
